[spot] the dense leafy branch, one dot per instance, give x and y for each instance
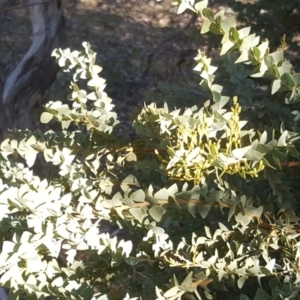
(199, 202)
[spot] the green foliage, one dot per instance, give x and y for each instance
(207, 141)
(200, 200)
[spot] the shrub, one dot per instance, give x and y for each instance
(199, 201)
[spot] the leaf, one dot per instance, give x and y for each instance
(263, 148)
(276, 85)
(249, 42)
(131, 157)
(207, 231)
(171, 292)
(226, 38)
(226, 47)
(157, 212)
(96, 69)
(258, 211)
(277, 56)
(172, 190)
(219, 14)
(228, 24)
(162, 194)
(192, 207)
(188, 195)
(244, 32)
(269, 61)
(263, 137)
(204, 210)
(137, 213)
(274, 283)
(188, 279)
(260, 70)
(288, 78)
(290, 98)
(62, 61)
(199, 6)
(256, 52)
(138, 196)
(241, 281)
(240, 152)
(58, 282)
(214, 28)
(263, 48)
(208, 13)
(254, 155)
(130, 179)
(234, 34)
(46, 117)
(183, 7)
(296, 78)
(223, 227)
(244, 220)
(96, 82)
(284, 69)
(205, 26)
(30, 158)
(282, 140)
(193, 154)
(270, 265)
(151, 199)
(65, 124)
(132, 261)
(243, 57)
(100, 297)
(261, 295)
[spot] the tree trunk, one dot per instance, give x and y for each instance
(26, 85)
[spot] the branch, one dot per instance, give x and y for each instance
(290, 164)
(23, 5)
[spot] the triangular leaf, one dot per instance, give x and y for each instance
(157, 212)
(46, 117)
(204, 210)
(276, 85)
(138, 196)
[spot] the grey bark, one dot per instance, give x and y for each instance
(25, 86)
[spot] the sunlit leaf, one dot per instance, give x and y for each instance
(157, 212)
(46, 117)
(137, 213)
(138, 196)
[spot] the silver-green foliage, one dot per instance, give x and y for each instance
(184, 167)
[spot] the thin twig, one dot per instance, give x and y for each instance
(23, 5)
(291, 164)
